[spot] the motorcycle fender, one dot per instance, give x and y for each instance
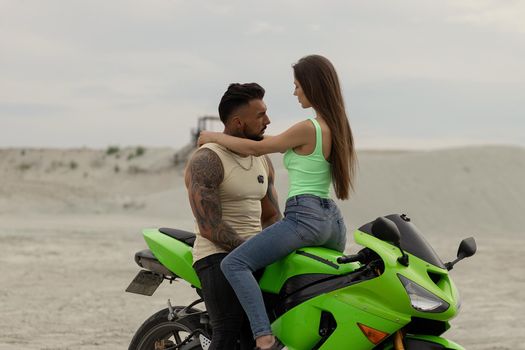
(429, 342)
(173, 254)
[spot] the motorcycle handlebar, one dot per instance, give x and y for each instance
(345, 259)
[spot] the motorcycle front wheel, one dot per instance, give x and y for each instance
(158, 333)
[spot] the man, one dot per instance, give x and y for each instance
(232, 197)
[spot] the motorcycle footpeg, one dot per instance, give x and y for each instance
(145, 283)
(205, 319)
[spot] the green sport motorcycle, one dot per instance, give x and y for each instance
(395, 293)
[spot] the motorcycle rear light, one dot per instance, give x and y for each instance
(421, 299)
(374, 335)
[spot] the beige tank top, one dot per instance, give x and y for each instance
(244, 185)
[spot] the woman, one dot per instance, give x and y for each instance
(319, 151)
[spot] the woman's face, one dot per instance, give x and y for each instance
(298, 91)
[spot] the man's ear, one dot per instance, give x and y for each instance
(236, 123)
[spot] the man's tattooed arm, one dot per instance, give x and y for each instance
(204, 174)
(269, 204)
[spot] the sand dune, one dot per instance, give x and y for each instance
(70, 223)
(477, 189)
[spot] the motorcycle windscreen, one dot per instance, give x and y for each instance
(412, 241)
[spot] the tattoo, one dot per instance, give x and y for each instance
(203, 178)
(270, 206)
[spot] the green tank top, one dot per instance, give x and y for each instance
(309, 174)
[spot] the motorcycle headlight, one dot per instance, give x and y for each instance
(421, 299)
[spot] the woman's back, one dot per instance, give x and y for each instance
(309, 173)
(312, 132)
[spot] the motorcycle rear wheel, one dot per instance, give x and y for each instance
(158, 328)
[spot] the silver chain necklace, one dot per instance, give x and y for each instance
(239, 163)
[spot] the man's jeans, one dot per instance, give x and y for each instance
(227, 318)
(308, 221)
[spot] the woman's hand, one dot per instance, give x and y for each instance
(207, 137)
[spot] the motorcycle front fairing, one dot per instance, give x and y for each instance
(424, 275)
(430, 342)
(387, 302)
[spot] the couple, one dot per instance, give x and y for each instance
(230, 186)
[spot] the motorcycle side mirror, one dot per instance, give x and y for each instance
(466, 249)
(387, 230)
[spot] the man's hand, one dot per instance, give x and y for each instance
(204, 175)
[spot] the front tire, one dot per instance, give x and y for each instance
(157, 332)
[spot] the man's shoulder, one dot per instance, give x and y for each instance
(205, 164)
(267, 163)
(204, 153)
(266, 159)
(214, 148)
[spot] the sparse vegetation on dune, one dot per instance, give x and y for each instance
(112, 150)
(139, 151)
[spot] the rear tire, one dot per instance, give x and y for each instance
(158, 328)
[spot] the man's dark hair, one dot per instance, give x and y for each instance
(236, 96)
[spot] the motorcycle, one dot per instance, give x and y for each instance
(395, 293)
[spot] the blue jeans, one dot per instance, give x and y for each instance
(308, 221)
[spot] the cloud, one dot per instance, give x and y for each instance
(504, 16)
(152, 67)
(263, 27)
(15, 110)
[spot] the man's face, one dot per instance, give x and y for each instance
(253, 120)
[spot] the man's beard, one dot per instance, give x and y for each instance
(254, 137)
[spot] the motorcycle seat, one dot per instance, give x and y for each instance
(180, 235)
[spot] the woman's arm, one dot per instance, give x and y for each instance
(297, 135)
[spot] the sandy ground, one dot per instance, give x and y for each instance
(68, 235)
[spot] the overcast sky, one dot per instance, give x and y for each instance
(415, 73)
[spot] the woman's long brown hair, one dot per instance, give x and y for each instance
(320, 84)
